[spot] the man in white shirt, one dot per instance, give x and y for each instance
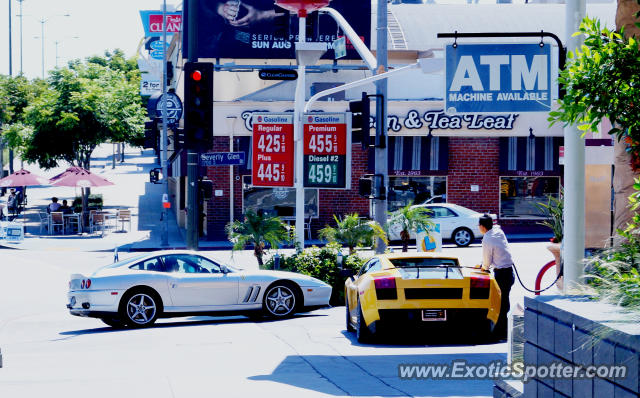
(54, 205)
(497, 256)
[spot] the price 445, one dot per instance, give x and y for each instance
(273, 172)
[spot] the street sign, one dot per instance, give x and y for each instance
(272, 163)
(222, 159)
(497, 78)
(339, 47)
(277, 74)
(327, 151)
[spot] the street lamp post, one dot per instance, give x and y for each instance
(20, 15)
(58, 42)
(42, 22)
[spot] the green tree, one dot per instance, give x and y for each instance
(258, 230)
(410, 218)
(16, 93)
(352, 231)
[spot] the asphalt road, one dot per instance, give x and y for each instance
(48, 353)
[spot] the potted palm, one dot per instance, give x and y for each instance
(411, 218)
(258, 230)
(554, 210)
(352, 231)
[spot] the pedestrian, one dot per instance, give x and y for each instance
(65, 207)
(496, 256)
(54, 205)
(12, 204)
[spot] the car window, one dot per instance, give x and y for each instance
(371, 266)
(152, 264)
(190, 264)
(440, 212)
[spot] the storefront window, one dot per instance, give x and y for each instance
(279, 202)
(415, 190)
(519, 196)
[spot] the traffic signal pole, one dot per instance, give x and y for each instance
(164, 139)
(299, 142)
(381, 150)
(193, 210)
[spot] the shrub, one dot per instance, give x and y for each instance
(94, 203)
(321, 263)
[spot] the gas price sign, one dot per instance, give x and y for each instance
(327, 151)
(272, 150)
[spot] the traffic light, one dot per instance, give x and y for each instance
(360, 120)
(198, 105)
(372, 186)
(154, 176)
(206, 189)
(151, 135)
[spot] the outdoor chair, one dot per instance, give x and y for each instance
(44, 221)
(96, 221)
(57, 220)
(307, 227)
(74, 221)
(124, 216)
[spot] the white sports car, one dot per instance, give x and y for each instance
(456, 223)
(137, 291)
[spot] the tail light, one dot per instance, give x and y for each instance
(82, 284)
(385, 283)
(88, 284)
(480, 287)
(385, 288)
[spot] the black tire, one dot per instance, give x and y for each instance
(462, 237)
(363, 334)
(350, 327)
(140, 308)
(280, 300)
(115, 323)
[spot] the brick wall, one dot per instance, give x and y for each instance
(341, 202)
(218, 206)
(474, 161)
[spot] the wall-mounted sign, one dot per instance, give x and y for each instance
(495, 78)
(273, 160)
(259, 29)
(152, 22)
(174, 107)
(277, 74)
(222, 159)
(150, 87)
(327, 151)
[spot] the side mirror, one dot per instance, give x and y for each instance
(346, 273)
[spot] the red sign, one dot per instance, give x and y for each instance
(273, 150)
(325, 138)
(327, 158)
(173, 23)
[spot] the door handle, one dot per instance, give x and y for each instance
(173, 285)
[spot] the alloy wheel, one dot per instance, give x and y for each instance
(280, 301)
(141, 309)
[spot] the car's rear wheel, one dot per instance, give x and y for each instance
(350, 327)
(462, 237)
(279, 301)
(140, 308)
(363, 334)
(113, 322)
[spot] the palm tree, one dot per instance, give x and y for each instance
(352, 231)
(411, 218)
(258, 230)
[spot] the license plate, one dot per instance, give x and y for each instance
(434, 315)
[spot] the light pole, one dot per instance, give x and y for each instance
(20, 15)
(57, 42)
(42, 22)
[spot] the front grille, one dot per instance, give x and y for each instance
(443, 293)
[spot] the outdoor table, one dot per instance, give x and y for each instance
(68, 217)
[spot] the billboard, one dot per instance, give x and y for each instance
(257, 28)
(497, 78)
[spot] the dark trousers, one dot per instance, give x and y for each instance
(504, 278)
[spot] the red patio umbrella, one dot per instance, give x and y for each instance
(79, 178)
(72, 169)
(22, 178)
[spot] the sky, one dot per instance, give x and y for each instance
(98, 26)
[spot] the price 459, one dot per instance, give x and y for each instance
(273, 172)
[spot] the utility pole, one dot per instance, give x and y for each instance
(10, 74)
(164, 141)
(300, 97)
(193, 210)
(574, 174)
(381, 154)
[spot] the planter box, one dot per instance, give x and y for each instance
(576, 331)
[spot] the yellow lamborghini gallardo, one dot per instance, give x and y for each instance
(420, 289)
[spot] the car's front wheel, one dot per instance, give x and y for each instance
(279, 301)
(346, 306)
(140, 308)
(462, 237)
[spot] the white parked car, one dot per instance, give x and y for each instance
(137, 291)
(456, 223)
